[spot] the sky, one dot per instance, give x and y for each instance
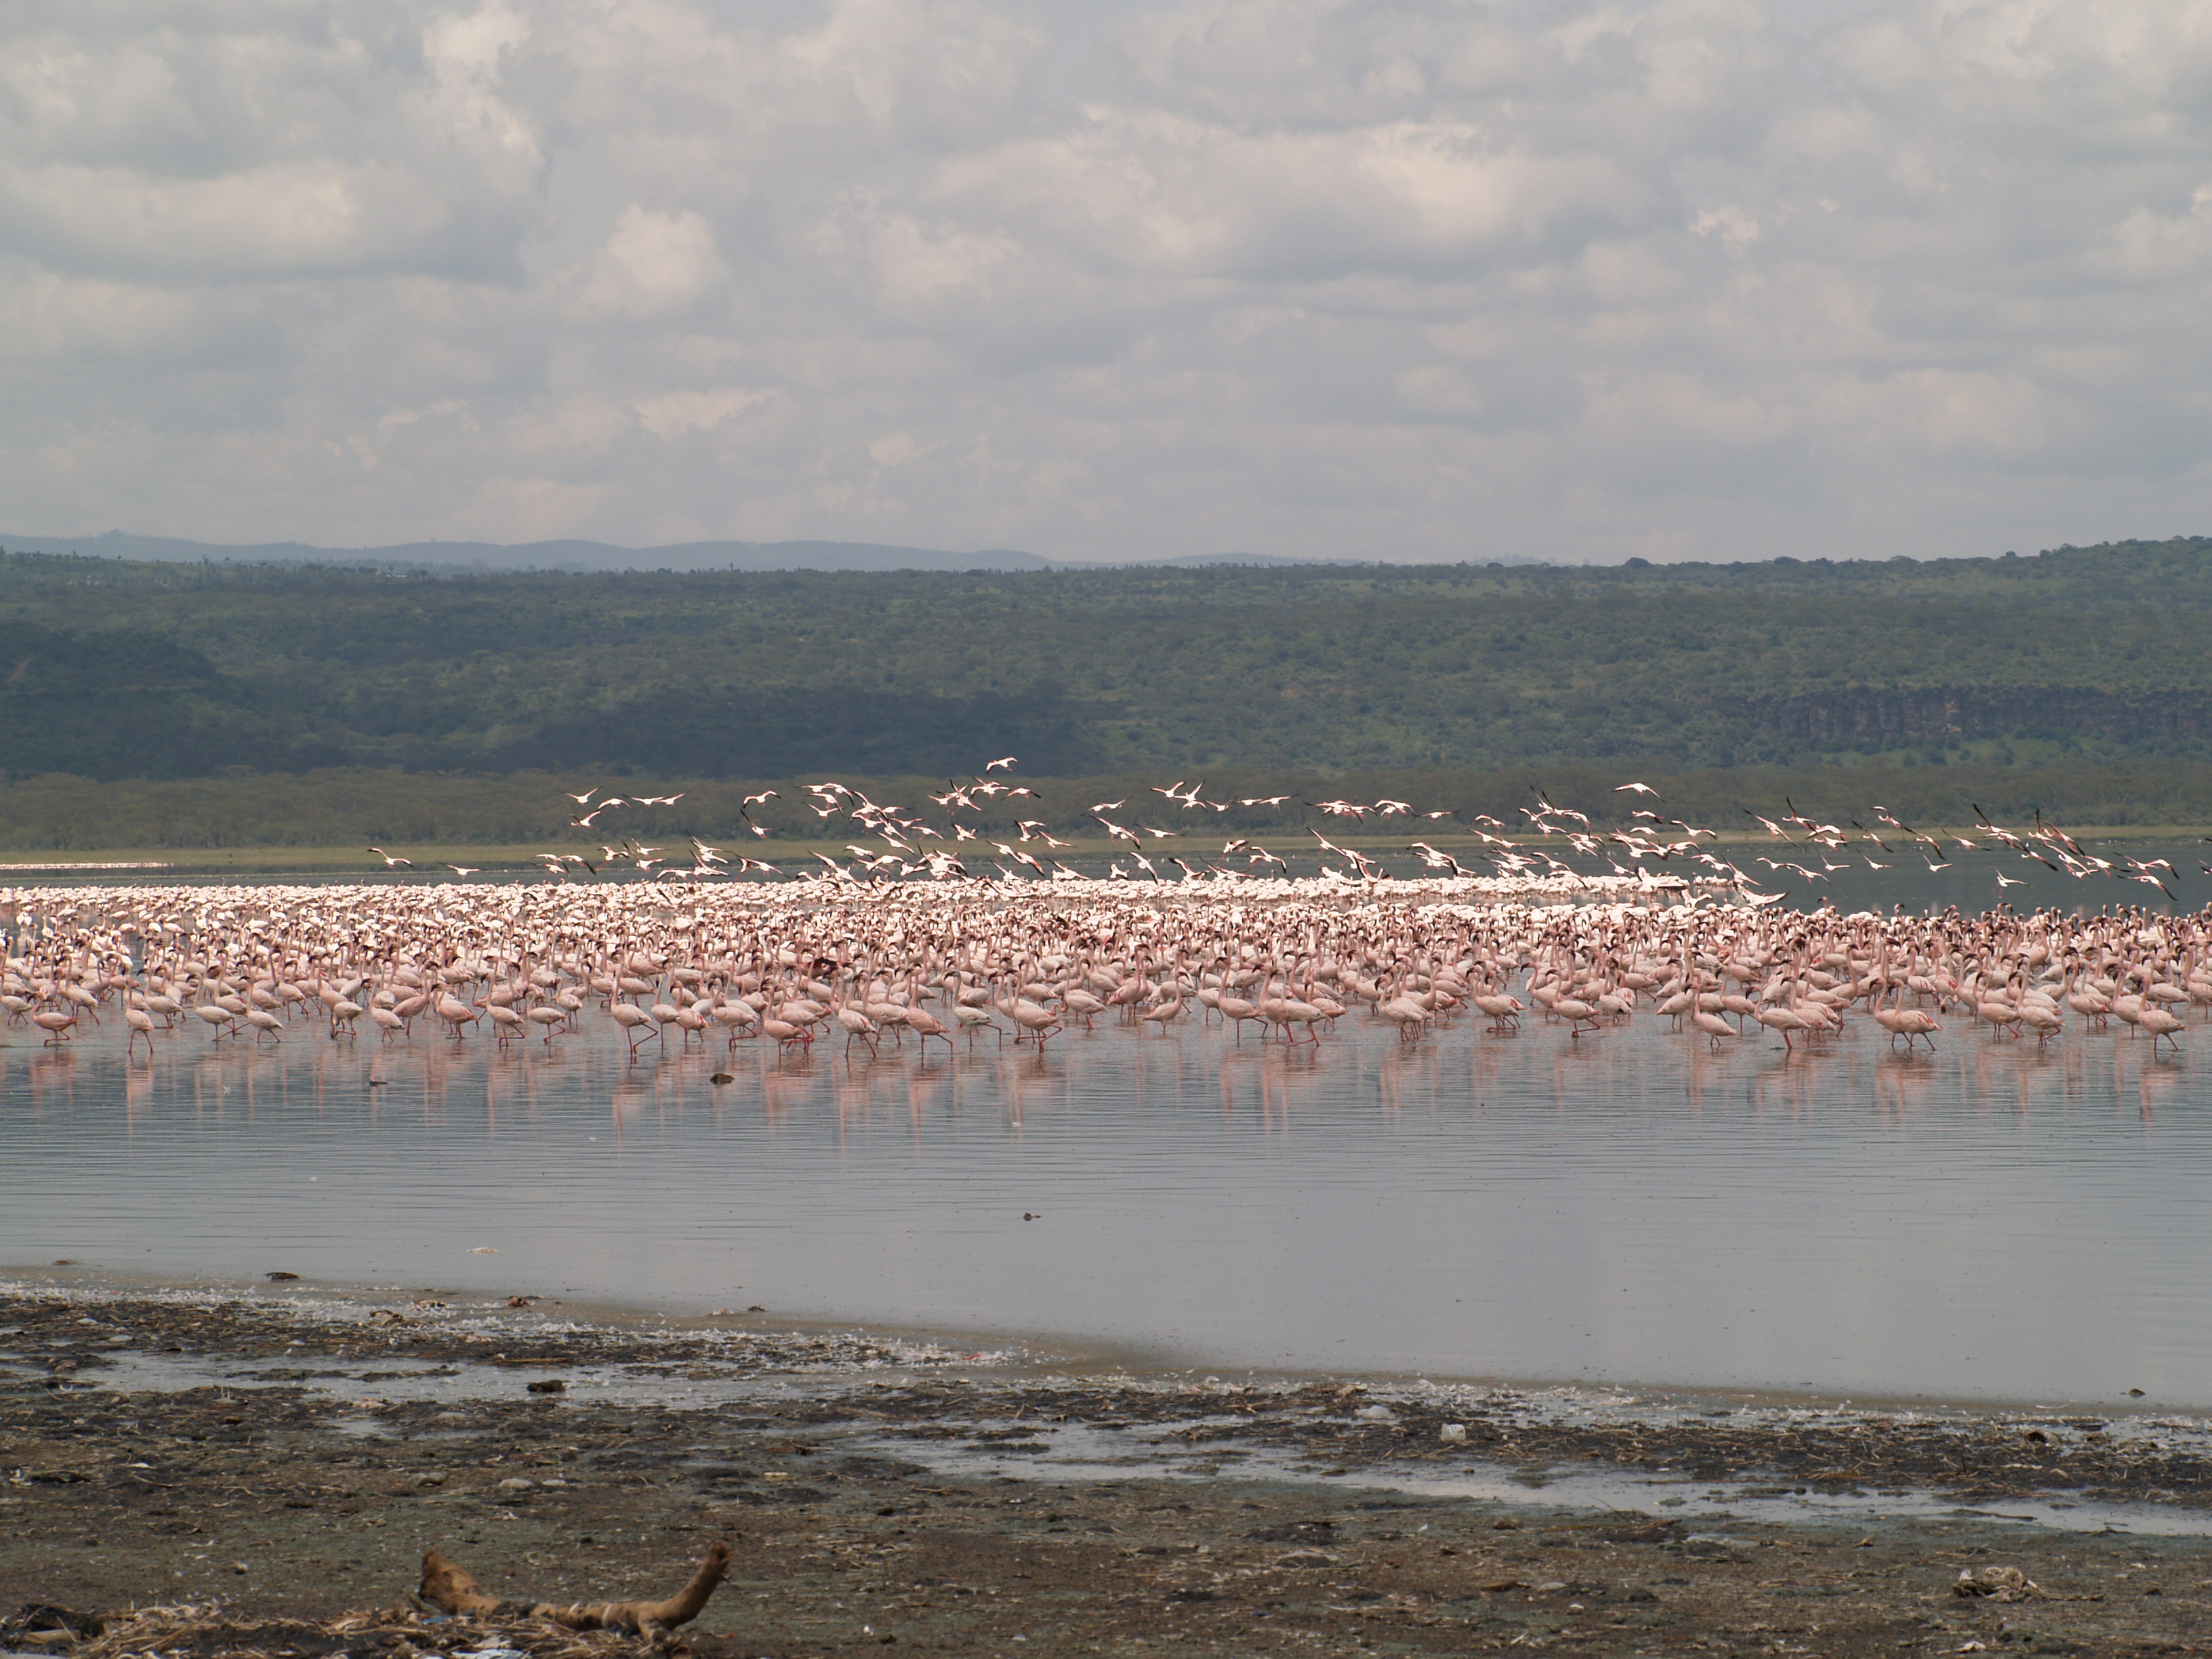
(1690, 279)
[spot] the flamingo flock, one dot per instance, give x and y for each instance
(1283, 961)
(1650, 852)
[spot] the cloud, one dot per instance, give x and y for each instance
(1146, 192)
(652, 263)
(527, 510)
(281, 219)
(1410, 276)
(898, 449)
(672, 414)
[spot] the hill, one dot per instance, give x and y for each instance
(450, 557)
(475, 558)
(118, 668)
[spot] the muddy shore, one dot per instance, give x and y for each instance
(292, 1457)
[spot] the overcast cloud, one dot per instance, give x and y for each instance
(1695, 278)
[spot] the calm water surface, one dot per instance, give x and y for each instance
(1991, 1223)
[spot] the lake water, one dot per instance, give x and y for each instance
(1990, 1223)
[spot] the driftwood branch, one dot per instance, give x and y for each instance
(454, 1589)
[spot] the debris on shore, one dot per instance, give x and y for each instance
(249, 1510)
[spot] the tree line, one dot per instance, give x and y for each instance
(2074, 657)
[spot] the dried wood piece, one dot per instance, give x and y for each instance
(454, 1589)
(1997, 1584)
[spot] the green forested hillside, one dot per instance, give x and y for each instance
(121, 670)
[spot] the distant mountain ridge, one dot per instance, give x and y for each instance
(567, 555)
(589, 555)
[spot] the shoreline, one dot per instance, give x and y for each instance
(1017, 1354)
(290, 1462)
(485, 1339)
